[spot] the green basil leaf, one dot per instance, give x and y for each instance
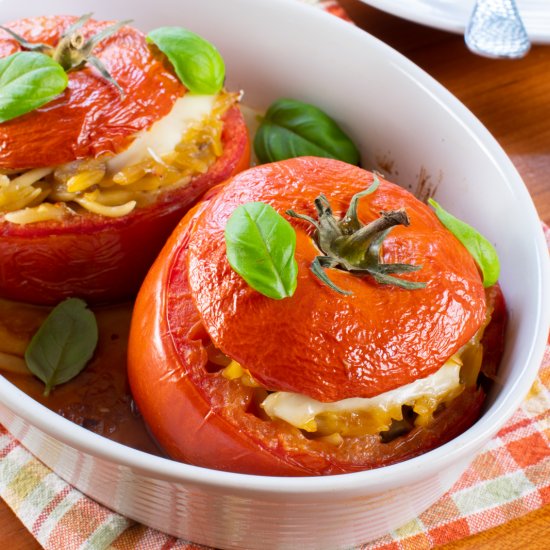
(478, 246)
(292, 129)
(260, 248)
(197, 63)
(63, 344)
(28, 80)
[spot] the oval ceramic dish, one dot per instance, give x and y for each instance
(405, 123)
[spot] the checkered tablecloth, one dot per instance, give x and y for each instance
(508, 479)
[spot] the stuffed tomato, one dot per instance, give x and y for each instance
(354, 369)
(93, 182)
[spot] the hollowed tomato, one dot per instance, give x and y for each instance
(316, 343)
(88, 255)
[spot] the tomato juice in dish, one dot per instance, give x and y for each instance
(98, 398)
(93, 181)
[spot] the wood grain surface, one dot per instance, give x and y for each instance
(512, 99)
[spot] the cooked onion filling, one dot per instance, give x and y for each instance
(389, 414)
(173, 151)
(358, 416)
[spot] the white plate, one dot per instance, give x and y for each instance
(452, 15)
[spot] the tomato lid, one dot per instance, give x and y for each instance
(318, 342)
(90, 118)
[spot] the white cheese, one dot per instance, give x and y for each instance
(166, 133)
(300, 410)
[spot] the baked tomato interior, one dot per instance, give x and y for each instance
(193, 308)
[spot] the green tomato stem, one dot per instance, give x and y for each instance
(351, 246)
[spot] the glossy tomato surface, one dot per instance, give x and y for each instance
(97, 258)
(90, 117)
(320, 335)
(191, 299)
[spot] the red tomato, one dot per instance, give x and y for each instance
(327, 334)
(191, 298)
(90, 117)
(97, 258)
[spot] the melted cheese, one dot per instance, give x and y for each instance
(424, 395)
(163, 136)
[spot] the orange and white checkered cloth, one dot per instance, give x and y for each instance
(508, 479)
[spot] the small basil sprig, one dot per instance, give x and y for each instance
(63, 344)
(477, 245)
(28, 80)
(260, 248)
(292, 129)
(196, 61)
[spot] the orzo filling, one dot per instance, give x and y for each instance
(102, 187)
(390, 414)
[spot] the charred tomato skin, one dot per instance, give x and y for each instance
(199, 417)
(98, 258)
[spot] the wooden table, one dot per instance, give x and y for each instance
(512, 98)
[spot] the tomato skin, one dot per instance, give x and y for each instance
(105, 259)
(89, 118)
(493, 337)
(200, 417)
(359, 345)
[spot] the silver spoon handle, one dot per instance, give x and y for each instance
(495, 29)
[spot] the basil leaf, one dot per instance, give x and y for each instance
(260, 248)
(63, 344)
(28, 80)
(197, 63)
(292, 128)
(478, 246)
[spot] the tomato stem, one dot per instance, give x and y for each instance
(353, 242)
(73, 52)
(351, 246)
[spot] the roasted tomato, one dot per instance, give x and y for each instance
(227, 378)
(88, 193)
